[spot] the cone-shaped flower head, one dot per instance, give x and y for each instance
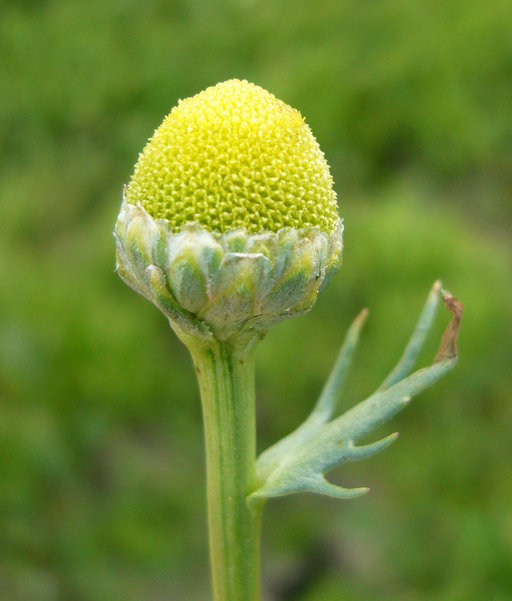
(229, 221)
(234, 156)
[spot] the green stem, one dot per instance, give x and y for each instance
(226, 379)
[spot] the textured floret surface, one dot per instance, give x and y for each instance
(234, 156)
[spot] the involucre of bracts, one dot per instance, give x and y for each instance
(208, 283)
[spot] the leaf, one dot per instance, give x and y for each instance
(299, 462)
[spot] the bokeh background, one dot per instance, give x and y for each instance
(101, 456)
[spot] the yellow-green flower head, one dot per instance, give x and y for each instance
(234, 156)
(229, 222)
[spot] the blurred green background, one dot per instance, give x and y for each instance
(101, 457)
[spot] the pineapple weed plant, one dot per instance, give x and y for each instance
(228, 225)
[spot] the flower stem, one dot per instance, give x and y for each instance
(225, 371)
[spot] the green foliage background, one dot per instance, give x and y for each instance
(101, 465)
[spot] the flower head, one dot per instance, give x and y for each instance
(229, 222)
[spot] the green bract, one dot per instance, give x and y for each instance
(223, 284)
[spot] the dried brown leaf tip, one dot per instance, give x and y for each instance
(448, 347)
